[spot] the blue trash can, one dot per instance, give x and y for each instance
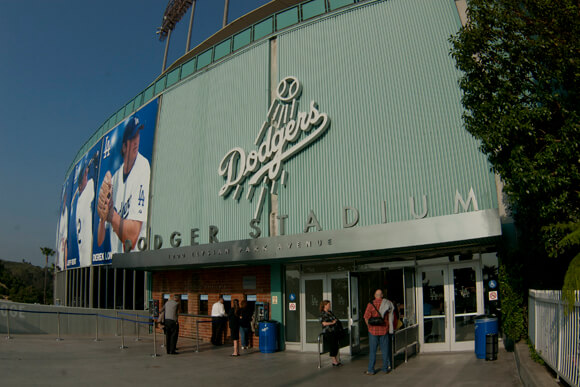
(268, 336)
(483, 327)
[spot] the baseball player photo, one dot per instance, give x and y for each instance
(123, 195)
(62, 234)
(83, 198)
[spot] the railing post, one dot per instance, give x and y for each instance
(97, 327)
(8, 324)
(122, 334)
(154, 339)
(196, 335)
(117, 323)
(560, 318)
(319, 355)
(137, 328)
(58, 326)
(406, 343)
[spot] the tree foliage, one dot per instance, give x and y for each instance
(23, 282)
(521, 82)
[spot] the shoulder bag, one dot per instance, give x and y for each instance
(376, 320)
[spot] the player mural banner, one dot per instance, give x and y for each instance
(105, 199)
(122, 194)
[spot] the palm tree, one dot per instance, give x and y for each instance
(47, 252)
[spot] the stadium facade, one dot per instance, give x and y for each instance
(309, 150)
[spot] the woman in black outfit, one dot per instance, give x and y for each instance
(330, 327)
(246, 314)
(234, 320)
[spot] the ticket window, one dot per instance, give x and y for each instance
(227, 302)
(204, 304)
(166, 298)
(183, 304)
(251, 300)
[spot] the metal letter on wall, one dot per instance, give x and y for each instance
(412, 207)
(470, 199)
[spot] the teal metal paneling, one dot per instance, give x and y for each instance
(383, 73)
(199, 122)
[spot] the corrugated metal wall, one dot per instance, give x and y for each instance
(199, 122)
(383, 74)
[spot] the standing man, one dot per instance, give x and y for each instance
(381, 333)
(218, 321)
(123, 198)
(171, 310)
(84, 214)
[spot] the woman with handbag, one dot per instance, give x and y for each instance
(379, 319)
(331, 328)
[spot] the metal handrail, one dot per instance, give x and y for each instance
(320, 353)
(414, 329)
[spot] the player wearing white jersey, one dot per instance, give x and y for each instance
(84, 218)
(62, 236)
(123, 198)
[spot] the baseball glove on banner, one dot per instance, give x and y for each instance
(105, 204)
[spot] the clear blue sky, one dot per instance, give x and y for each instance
(65, 67)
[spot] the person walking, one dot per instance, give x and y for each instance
(170, 312)
(234, 320)
(331, 328)
(379, 319)
(246, 314)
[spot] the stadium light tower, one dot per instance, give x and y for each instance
(173, 13)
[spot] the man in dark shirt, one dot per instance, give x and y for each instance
(171, 310)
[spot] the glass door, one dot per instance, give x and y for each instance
(466, 298)
(354, 314)
(312, 294)
(318, 287)
(451, 297)
(434, 330)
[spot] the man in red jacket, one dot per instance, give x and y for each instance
(380, 334)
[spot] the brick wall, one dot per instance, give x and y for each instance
(212, 282)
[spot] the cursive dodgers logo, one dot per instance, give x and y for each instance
(284, 133)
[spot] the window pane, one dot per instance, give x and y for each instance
(148, 94)
(242, 39)
(188, 68)
(173, 77)
(263, 28)
(334, 4)
(286, 18)
(223, 49)
(160, 85)
(204, 59)
(312, 8)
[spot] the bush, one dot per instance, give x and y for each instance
(512, 306)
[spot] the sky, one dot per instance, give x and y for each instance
(65, 67)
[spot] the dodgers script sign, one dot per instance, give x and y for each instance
(285, 132)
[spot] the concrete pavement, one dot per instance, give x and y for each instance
(40, 360)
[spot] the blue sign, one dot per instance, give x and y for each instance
(292, 297)
(492, 284)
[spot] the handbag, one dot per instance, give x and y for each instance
(376, 320)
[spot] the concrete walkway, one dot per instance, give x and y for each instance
(29, 360)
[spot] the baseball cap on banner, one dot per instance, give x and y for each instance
(132, 127)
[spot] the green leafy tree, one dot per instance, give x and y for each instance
(521, 81)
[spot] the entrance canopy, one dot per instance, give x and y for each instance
(469, 227)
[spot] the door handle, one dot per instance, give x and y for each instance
(453, 313)
(445, 317)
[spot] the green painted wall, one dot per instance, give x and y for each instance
(199, 121)
(383, 73)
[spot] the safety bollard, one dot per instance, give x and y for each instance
(122, 334)
(154, 340)
(58, 327)
(8, 324)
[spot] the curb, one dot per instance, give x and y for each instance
(531, 373)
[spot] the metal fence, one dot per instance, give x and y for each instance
(555, 332)
(23, 319)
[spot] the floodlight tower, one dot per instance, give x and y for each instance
(173, 13)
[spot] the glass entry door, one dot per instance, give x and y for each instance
(451, 297)
(315, 288)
